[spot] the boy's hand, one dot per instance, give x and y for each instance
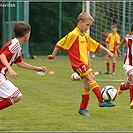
(42, 68)
(118, 52)
(111, 55)
(50, 57)
(12, 73)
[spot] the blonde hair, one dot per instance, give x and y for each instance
(84, 16)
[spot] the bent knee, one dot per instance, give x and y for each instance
(17, 99)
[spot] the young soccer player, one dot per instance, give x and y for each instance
(78, 43)
(112, 41)
(9, 54)
(128, 65)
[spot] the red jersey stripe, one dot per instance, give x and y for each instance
(130, 51)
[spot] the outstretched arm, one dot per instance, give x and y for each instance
(52, 56)
(121, 43)
(31, 67)
(106, 50)
(119, 46)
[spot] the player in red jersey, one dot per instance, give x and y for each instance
(104, 37)
(78, 43)
(9, 54)
(128, 65)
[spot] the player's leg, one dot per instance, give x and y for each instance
(84, 102)
(113, 65)
(5, 102)
(9, 94)
(85, 93)
(123, 86)
(91, 82)
(107, 61)
(130, 74)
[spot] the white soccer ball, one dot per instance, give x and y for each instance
(41, 73)
(75, 76)
(109, 93)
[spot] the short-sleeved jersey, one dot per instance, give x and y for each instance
(128, 60)
(12, 51)
(113, 39)
(78, 44)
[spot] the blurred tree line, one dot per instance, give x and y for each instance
(44, 20)
(47, 28)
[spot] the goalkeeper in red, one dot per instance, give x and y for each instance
(78, 43)
(128, 65)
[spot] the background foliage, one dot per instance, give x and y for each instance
(44, 17)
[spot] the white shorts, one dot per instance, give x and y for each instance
(128, 68)
(7, 89)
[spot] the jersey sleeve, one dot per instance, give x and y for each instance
(66, 42)
(14, 48)
(7, 53)
(93, 45)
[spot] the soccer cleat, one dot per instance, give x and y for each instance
(83, 112)
(131, 105)
(107, 73)
(119, 91)
(106, 104)
(112, 73)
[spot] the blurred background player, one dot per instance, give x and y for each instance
(128, 65)
(104, 37)
(78, 43)
(9, 54)
(112, 41)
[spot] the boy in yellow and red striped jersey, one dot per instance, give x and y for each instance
(112, 41)
(78, 43)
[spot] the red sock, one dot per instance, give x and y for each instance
(108, 66)
(96, 89)
(123, 86)
(113, 66)
(85, 99)
(131, 91)
(5, 103)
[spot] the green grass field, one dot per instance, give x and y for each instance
(50, 102)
